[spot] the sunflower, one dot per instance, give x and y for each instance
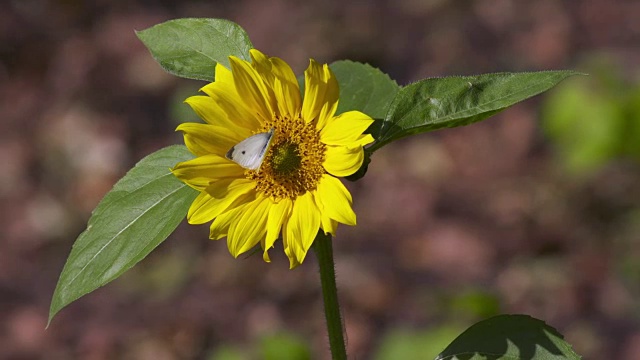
(295, 190)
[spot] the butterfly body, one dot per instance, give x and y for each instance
(249, 153)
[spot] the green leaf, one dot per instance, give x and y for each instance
(437, 103)
(190, 48)
(141, 210)
(363, 88)
(509, 337)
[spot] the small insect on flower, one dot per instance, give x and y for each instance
(249, 153)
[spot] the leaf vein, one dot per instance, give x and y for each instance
(181, 186)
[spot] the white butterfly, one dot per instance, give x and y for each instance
(249, 153)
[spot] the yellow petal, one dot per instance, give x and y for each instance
(224, 94)
(237, 110)
(321, 91)
(285, 87)
(362, 141)
(233, 112)
(277, 215)
(313, 90)
(345, 128)
(260, 62)
(293, 261)
(251, 88)
(265, 255)
(208, 110)
(218, 197)
(343, 161)
(336, 200)
(197, 204)
(331, 96)
(283, 71)
(220, 225)
(302, 227)
(281, 83)
(223, 80)
(223, 75)
(250, 226)
(219, 86)
(288, 250)
(201, 171)
(326, 113)
(327, 224)
(205, 139)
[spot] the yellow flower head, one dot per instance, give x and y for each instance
(294, 191)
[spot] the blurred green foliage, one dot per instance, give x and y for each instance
(411, 344)
(594, 119)
(277, 346)
(283, 346)
(473, 304)
(227, 353)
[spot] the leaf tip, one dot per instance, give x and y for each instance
(52, 313)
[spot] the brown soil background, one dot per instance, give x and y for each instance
(479, 208)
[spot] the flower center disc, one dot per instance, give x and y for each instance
(293, 163)
(285, 159)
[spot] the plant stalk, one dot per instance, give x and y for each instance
(324, 252)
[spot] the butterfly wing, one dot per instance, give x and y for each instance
(250, 152)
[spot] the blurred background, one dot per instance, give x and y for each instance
(535, 211)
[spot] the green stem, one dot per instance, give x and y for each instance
(324, 253)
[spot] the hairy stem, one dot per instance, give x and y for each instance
(324, 253)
